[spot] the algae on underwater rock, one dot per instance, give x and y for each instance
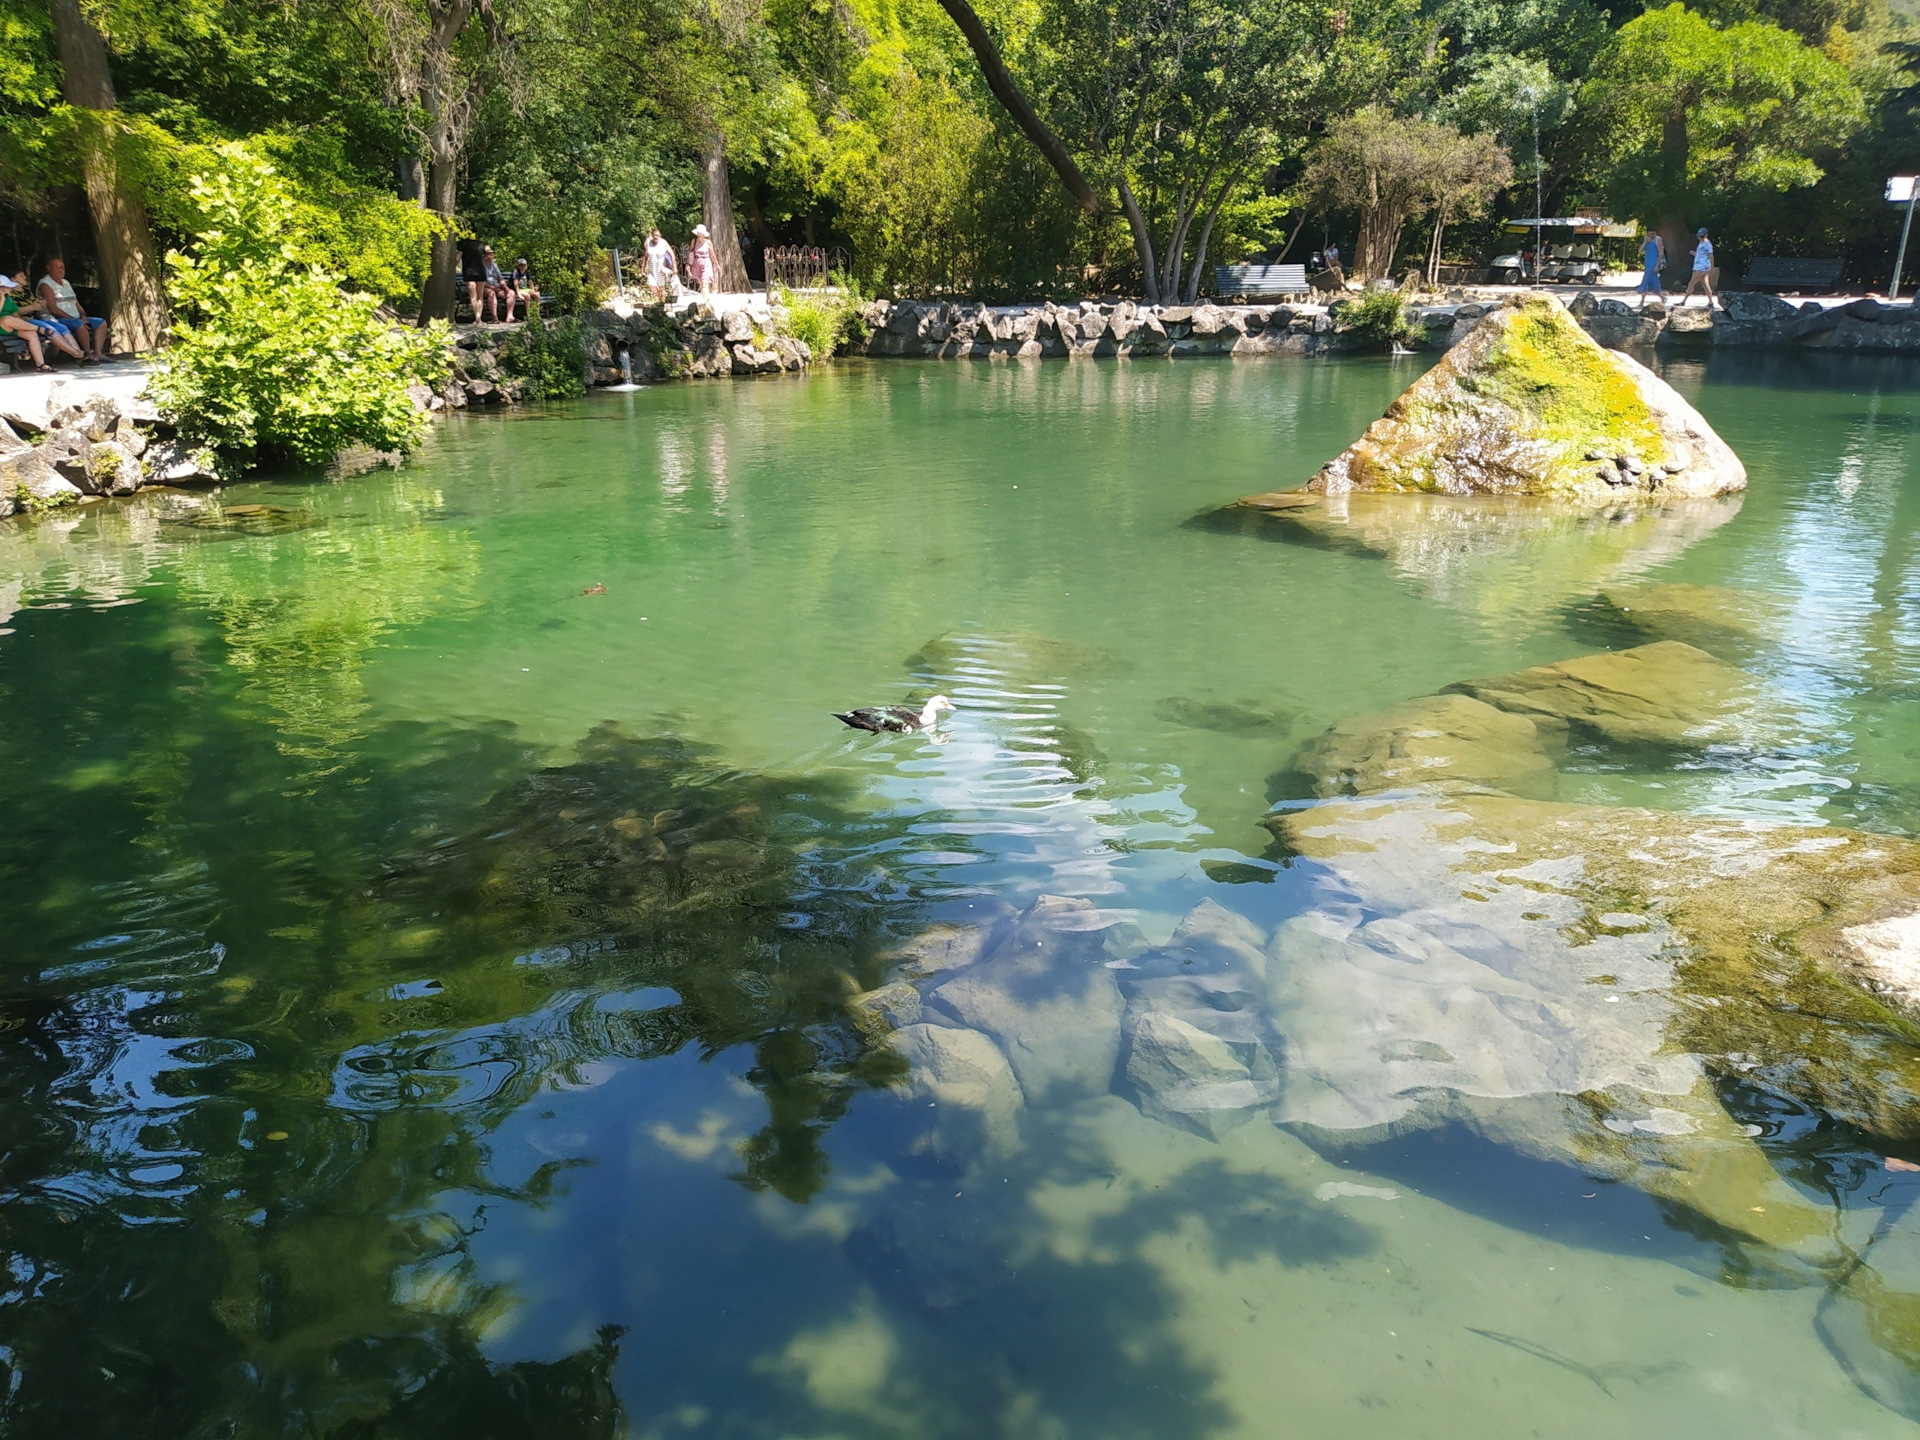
(1770, 984)
(1445, 739)
(1530, 404)
(1666, 694)
(1719, 620)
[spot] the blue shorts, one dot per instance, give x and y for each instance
(61, 325)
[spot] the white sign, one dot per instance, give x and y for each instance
(1900, 189)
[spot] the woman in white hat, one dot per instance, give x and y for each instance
(700, 264)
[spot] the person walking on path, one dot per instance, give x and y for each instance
(1702, 269)
(701, 268)
(1654, 250)
(65, 310)
(659, 264)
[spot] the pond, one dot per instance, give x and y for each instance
(443, 925)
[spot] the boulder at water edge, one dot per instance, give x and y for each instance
(1530, 404)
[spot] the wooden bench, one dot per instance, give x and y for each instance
(1779, 273)
(1262, 280)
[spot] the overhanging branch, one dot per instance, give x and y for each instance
(1008, 93)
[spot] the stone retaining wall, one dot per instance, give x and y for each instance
(955, 330)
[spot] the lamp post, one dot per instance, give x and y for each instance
(1533, 114)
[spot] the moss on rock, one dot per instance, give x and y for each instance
(1530, 404)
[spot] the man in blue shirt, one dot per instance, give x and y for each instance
(1702, 269)
(1655, 251)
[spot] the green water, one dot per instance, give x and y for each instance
(425, 993)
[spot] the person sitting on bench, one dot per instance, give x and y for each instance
(14, 314)
(64, 309)
(521, 290)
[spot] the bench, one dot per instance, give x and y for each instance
(1778, 273)
(1250, 280)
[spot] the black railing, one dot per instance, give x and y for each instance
(803, 267)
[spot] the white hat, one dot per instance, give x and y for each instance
(7, 282)
(700, 230)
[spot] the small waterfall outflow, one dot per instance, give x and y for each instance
(626, 372)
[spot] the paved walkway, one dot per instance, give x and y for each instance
(27, 400)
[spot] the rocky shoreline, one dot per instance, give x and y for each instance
(94, 437)
(969, 330)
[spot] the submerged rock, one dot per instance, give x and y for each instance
(1200, 1051)
(1667, 694)
(1724, 621)
(1432, 739)
(970, 1086)
(1530, 404)
(1046, 998)
(1794, 951)
(1230, 717)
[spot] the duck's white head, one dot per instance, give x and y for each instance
(935, 707)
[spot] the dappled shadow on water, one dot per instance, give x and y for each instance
(261, 1022)
(1051, 1298)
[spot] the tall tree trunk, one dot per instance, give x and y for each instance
(1142, 238)
(994, 71)
(443, 271)
(1176, 244)
(413, 179)
(1199, 270)
(1433, 253)
(1674, 144)
(440, 84)
(129, 271)
(716, 208)
(1379, 238)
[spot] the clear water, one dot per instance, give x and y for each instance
(426, 971)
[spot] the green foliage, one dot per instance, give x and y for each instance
(1380, 320)
(1684, 116)
(829, 321)
(1389, 168)
(550, 360)
(271, 359)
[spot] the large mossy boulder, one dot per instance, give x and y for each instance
(1530, 404)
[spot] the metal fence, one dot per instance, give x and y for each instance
(803, 267)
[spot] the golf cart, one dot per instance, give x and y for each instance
(1566, 256)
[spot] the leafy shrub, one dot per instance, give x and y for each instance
(829, 321)
(1379, 318)
(551, 363)
(271, 360)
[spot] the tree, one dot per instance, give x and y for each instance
(439, 59)
(1392, 169)
(1465, 173)
(1178, 105)
(1684, 117)
(128, 268)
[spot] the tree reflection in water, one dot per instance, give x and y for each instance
(260, 1026)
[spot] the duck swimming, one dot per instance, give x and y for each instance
(897, 719)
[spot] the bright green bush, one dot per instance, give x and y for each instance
(271, 360)
(829, 321)
(1379, 319)
(550, 363)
